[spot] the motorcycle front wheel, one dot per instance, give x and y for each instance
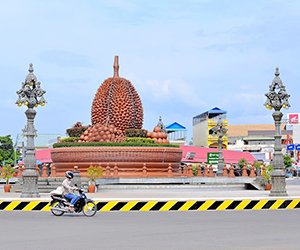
(56, 212)
(89, 209)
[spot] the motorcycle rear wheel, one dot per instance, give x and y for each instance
(55, 212)
(89, 209)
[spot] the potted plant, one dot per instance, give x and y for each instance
(93, 172)
(257, 166)
(241, 163)
(267, 177)
(7, 172)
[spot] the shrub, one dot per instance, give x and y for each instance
(194, 169)
(7, 172)
(257, 164)
(136, 133)
(94, 172)
(267, 174)
(242, 162)
(69, 139)
(287, 161)
(140, 140)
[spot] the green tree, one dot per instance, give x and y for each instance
(287, 161)
(6, 150)
(242, 162)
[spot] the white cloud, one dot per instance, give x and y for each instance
(170, 91)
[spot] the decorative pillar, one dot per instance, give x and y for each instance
(20, 171)
(116, 171)
(185, 170)
(31, 95)
(252, 172)
(277, 98)
(225, 172)
(170, 172)
(53, 170)
(190, 170)
(220, 131)
(44, 171)
(211, 172)
(199, 170)
(244, 171)
(107, 171)
(144, 170)
(231, 171)
(205, 174)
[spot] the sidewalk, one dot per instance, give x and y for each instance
(176, 192)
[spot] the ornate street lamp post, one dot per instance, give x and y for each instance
(220, 131)
(30, 95)
(277, 98)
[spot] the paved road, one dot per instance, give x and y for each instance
(169, 230)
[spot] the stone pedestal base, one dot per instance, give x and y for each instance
(220, 167)
(278, 184)
(30, 184)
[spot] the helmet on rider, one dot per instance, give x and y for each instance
(69, 175)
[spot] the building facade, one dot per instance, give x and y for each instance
(202, 128)
(258, 139)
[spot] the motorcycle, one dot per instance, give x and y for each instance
(60, 204)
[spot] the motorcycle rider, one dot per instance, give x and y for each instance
(68, 190)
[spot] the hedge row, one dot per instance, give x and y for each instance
(140, 140)
(111, 144)
(69, 139)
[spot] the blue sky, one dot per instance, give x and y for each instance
(183, 57)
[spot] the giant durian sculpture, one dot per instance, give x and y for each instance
(117, 103)
(116, 107)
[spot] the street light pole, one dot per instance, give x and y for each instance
(277, 98)
(219, 130)
(30, 95)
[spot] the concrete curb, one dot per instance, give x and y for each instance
(161, 205)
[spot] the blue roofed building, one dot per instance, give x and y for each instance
(176, 133)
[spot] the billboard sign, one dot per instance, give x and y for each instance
(213, 157)
(293, 118)
(290, 147)
(298, 147)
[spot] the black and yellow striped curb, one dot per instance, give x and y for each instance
(170, 205)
